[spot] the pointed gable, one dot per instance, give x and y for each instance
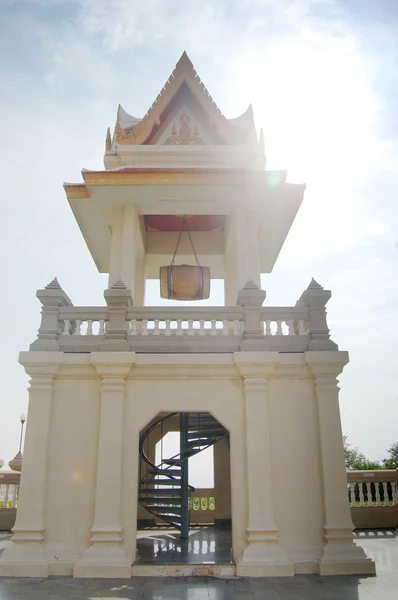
(184, 113)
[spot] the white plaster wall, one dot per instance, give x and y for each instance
(72, 464)
(142, 386)
(74, 440)
(296, 468)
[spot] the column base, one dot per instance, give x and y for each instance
(263, 557)
(105, 558)
(25, 557)
(341, 556)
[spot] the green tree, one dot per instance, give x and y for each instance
(392, 461)
(356, 461)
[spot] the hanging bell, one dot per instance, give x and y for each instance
(184, 282)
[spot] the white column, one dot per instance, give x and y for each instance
(263, 556)
(115, 259)
(242, 259)
(252, 247)
(231, 287)
(340, 555)
(129, 246)
(139, 284)
(106, 556)
(26, 556)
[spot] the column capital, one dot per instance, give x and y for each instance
(112, 365)
(41, 364)
(324, 364)
(255, 384)
(257, 365)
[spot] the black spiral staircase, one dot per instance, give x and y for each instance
(163, 488)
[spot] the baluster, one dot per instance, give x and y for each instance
(89, 327)
(290, 325)
(144, 327)
(361, 496)
(279, 328)
(101, 329)
(133, 327)
(179, 327)
(352, 490)
(213, 330)
(167, 330)
(66, 330)
(225, 327)
(301, 327)
(190, 327)
(367, 493)
(237, 327)
(268, 327)
(377, 494)
(14, 496)
(385, 493)
(202, 327)
(78, 324)
(6, 495)
(156, 327)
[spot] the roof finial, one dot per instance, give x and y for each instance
(184, 62)
(108, 140)
(314, 285)
(53, 285)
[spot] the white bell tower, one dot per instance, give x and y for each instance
(184, 158)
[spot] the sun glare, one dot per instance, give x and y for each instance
(312, 96)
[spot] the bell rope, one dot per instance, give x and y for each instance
(184, 227)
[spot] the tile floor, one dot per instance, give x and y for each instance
(205, 545)
(381, 545)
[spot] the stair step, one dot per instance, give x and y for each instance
(203, 427)
(202, 422)
(165, 483)
(160, 492)
(165, 471)
(155, 501)
(205, 431)
(202, 441)
(167, 510)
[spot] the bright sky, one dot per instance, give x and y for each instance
(321, 75)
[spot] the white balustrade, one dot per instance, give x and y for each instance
(285, 327)
(368, 489)
(85, 327)
(9, 495)
(182, 327)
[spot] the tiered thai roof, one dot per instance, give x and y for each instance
(183, 88)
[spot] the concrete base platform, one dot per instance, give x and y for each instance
(221, 571)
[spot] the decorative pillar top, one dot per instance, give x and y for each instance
(118, 295)
(315, 295)
(251, 295)
(53, 295)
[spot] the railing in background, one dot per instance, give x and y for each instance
(9, 491)
(373, 498)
